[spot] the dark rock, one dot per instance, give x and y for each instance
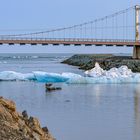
(58, 88)
(48, 84)
(25, 139)
(49, 89)
(67, 101)
(45, 129)
(30, 121)
(24, 114)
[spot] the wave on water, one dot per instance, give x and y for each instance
(93, 76)
(32, 57)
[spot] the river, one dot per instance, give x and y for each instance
(78, 111)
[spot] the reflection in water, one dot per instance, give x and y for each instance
(97, 91)
(81, 112)
(137, 113)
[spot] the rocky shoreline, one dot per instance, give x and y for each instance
(17, 126)
(106, 61)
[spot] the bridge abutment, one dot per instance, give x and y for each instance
(136, 49)
(136, 52)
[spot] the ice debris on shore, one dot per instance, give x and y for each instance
(95, 75)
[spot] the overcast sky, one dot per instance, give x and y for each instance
(46, 14)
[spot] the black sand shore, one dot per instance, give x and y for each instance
(106, 61)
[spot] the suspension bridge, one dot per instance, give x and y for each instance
(119, 29)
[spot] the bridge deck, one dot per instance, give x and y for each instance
(86, 42)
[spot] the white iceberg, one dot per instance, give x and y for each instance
(97, 71)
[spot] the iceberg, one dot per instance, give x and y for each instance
(115, 75)
(97, 75)
(97, 71)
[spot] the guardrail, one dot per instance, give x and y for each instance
(68, 39)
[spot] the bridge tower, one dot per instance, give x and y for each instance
(136, 49)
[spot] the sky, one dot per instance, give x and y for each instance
(47, 14)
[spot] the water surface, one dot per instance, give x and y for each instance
(78, 111)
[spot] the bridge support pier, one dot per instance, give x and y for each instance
(136, 49)
(136, 52)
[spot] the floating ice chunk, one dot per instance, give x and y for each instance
(34, 57)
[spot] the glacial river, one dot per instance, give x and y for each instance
(78, 111)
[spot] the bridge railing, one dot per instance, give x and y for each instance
(67, 39)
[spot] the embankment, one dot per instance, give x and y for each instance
(16, 126)
(106, 61)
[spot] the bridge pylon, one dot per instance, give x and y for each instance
(136, 49)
